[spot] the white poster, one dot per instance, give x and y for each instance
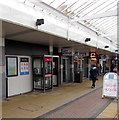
(110, 85)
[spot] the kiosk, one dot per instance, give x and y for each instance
(45, 72)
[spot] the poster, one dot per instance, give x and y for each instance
(110, 85)
(24, 66)
(12, 66)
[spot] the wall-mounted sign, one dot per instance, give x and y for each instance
(11, 66)
(116, 58)
(93, 56)
(75, 61)
(24, 66)
(67, 51)
(47, 59)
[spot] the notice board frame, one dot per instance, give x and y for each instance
(15, 58)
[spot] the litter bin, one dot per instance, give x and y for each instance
(78, 77)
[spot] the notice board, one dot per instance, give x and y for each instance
(110, 85)
(24, 66)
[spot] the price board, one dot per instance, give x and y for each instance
(110, 85)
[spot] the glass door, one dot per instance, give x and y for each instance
(48, 72)
(38, 72)
(56, 71)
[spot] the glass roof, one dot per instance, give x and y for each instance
(99, 15)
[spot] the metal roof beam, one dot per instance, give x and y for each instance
(101, 15)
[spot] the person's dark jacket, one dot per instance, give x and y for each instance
(94, 73)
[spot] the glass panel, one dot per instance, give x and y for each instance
(47, 1)
(48, 65)
(57, 3)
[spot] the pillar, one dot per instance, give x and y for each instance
(50, 45)
(72, 69)
(51, 49)
(2, 70)
(2, 65)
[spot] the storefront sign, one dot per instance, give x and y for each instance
(47, 59)
(24, 66)
(93, 56)
(110, 85)
(48, 75)
(116, 58)
(67, 52)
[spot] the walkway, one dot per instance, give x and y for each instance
(76, 98)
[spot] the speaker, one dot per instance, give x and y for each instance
(116, 50)
(106, 46)
(87, 39)
(39, 22)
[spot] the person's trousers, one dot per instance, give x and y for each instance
(93, 83)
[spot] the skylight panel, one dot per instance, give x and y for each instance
(47, 1)
(57, 3)
(92, 9)
(84, 7)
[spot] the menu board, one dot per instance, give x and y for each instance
(110, 85)
(24, 66)
(11, 66)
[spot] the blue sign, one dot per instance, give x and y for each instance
(24, 73)
(111, 76)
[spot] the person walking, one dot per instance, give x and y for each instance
(94, 75)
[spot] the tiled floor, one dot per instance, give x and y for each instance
(86, 106)
(35, 104)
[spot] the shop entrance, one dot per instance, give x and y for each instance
(56, 71)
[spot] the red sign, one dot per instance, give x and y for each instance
(75, 61)
(48, 75)
(47, 59)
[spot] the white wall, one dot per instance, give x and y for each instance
(21, 83)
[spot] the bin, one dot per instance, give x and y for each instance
(78, 77)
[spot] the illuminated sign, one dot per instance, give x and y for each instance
(75, 61)
(116, 58)
(47, 59)
(93, 56)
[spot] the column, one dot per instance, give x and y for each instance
(51, 49)
(50, 45)
(61, 65)
(72, 68)
(2, 65)
(2, 69)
